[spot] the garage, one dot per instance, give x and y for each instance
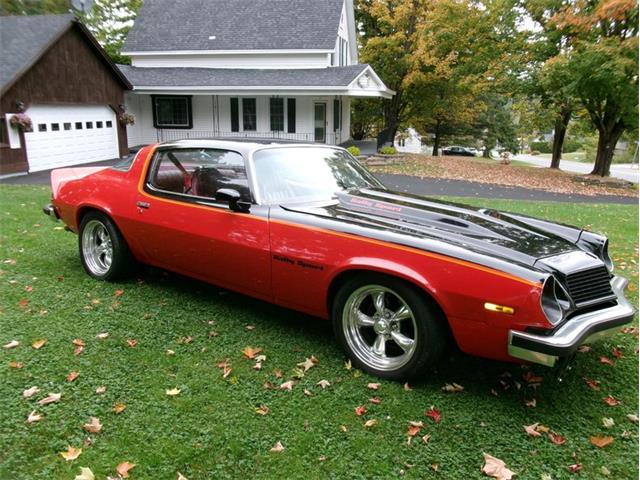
(70, 135)
(67, 90)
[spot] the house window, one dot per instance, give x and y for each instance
(98, 124)
(235, 116)
(336, 115)
(42, 127)
(276, 109)
(109, 124)
(249, 114)
(291, 115)
(4, 134)
(172, 111)
(67, 125)
(89, 124)
(55, 127)
(78, 125)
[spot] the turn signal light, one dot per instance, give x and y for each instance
(499, 308)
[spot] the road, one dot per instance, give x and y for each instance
(625, 171)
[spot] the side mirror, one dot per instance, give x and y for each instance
(232, 197)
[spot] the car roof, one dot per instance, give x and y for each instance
(243, 145)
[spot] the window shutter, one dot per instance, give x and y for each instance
(291, 115)
(235, 120)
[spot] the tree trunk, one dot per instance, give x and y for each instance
(392, 111)
(559, 132)
(436, 140)
(607, 140)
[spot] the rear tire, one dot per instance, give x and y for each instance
(387, 327)
(104, 252)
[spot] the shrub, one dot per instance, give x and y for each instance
(388, 150)
(353, 150)
(542, 147)
(534, 152)
(571, 145)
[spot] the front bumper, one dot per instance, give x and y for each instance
(584, 328)
(51, 211)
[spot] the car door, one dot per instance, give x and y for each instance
(182, 227)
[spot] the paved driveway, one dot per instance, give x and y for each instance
(625, 171)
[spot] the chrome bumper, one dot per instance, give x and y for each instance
(580, 329)
(51, 211)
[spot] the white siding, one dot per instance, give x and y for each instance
(266, 60)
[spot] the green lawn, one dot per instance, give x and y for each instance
(212, 430)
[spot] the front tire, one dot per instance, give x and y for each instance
(103, 250)
(387, 327)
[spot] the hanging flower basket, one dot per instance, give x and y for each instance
(21, 121)
(126, 119)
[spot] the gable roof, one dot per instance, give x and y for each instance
(25, 38)
(187, 25)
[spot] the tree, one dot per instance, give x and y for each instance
(110, 21)
(604, 62)
(34, 7)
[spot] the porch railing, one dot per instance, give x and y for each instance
(164, 135)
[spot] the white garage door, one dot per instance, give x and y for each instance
(70, 135)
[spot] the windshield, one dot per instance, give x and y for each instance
(295, 174)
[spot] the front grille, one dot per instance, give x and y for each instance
(589, 286)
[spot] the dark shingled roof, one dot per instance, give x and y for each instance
(236, 24)
(23, 39)
(240, 77)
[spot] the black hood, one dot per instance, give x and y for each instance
(510, 237)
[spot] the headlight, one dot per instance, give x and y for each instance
(554, 300)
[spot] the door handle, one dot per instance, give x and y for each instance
(143, 204)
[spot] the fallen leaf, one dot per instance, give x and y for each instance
(23, 302)
(257, 366)
(496, 468)
(611, 401)
(584, 349)
(34, 417)
(532, 379)
(30, 392)
(262, 410)
(226, 371)
(307, 392)
(170, 352)
(28, 289)
(347, 365)
(72, 376)
(360, 410)
(277, 448)
(119, 408)
(605, 471)
(557, 438)
(101, 389)
(600, 442)
(414, 428)
(425, 440)
(119, 293)
(373, 386)
(85, 474)
(407, 387)
(52, 398)
(38, 344)
(323, 384)
(181, 477)
(322, 458)
(375, 400)
(370, 423)
(278, 373)
(249, 328)
(78, 350)
(261, 358)
(531, 430)
(124, 467)
(71, 453)
(307, 364)
(173, 392)
(606, 361)
(632, 418)
(575, 468)
(94, 425)
(251, 352)
(452, 388)
(433, 414)
(593, 384)
(543, 429)
(103, 335)
(15, 364)
(11, 344)
(78, 342)
(531, 403)
(617, 352)
(131, 342)
(287, 385)
(608, 422)
(343, 428)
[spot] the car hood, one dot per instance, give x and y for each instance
(511, 237)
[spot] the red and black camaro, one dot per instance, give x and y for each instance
(307, 227)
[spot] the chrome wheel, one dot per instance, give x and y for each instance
(97, 249)
(379, 327)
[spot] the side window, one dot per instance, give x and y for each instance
(199, 172)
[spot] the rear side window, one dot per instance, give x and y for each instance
(199, 172)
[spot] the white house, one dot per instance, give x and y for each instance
(245, 68)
